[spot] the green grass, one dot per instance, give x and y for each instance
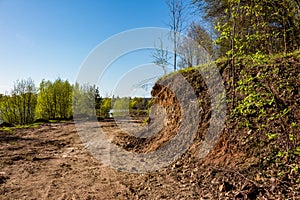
(33, 125)
(11, 129)
(7, 129)
(57, 121)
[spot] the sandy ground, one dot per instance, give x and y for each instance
(50, 162)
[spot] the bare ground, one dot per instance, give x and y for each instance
(50, 162)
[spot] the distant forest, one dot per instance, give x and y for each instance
(27, 103)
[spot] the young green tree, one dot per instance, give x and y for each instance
(63, 94)
(19, 106)
(253, 28)
(105, 107)
(54, 100)
(8, 109)
(138, 106)
(46, 101)
(26, 91)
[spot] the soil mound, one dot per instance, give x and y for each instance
(258, 151)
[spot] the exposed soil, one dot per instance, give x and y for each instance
(50, 162)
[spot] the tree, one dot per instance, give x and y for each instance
(197, 48)
(254, 26)
(105, 107)
(121, 107)
(54, 100)
(19, 106)
(161, 57)
(189, 53)
(202, 38)
(63, 94)
(8, 110)
(86, 100)
(24, 95)
(138, 106)
(177, 18)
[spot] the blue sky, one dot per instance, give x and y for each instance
(47, 39)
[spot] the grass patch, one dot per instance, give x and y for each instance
(57, 121)
(7, 129)
(11, 129)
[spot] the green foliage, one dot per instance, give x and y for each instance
(19, 106)
(86, 100)
(254, 102)
(138, 103)
(248, 27)
(105, 108)
(7, 129)
(54, 100)
(272, 136)
(267, 106)
(121, 107)
(297, 151)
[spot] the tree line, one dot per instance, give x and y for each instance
(59, 99)
(230, 28)
(26, 103)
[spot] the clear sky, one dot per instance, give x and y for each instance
(47, 39)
